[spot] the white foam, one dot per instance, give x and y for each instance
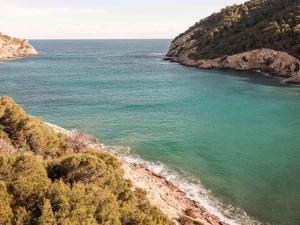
(156, 53)
(192, 187)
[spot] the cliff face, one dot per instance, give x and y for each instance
(13, 48)
(257, 35)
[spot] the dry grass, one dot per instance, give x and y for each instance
(6, 148)
(79, 140)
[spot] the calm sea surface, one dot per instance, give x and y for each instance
(236, 133)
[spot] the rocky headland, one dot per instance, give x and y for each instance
(12, 48)
(275, 63)
(261, 35)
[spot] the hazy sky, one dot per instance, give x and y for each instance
(39, 19)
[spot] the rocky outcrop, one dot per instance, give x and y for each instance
(11, 48)
(275, 63)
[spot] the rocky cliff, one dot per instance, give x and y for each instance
(257, 35)
(11, 48)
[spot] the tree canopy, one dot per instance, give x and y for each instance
(255, 24)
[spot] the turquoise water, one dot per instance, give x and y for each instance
(236, 133)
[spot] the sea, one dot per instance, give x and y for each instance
(230, 140)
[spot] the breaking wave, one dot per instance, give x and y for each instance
(192, 187)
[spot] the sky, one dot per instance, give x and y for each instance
(99, 19)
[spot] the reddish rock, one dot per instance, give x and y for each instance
(275, 63)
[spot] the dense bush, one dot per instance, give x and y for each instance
(5, 209)
(26, 132)
(80, 188)
(45, 183)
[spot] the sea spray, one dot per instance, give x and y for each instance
(192, 187)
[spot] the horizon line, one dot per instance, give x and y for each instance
(100, 39)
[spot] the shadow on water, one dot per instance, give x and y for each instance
(256, 77)
(253, 77)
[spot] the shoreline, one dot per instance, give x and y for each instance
(161, 191)
(9, 59)
(281, 80)
(282, 66)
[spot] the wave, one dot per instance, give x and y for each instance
(157, 53)
(192, 188)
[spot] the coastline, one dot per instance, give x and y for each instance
(11, 59)
(268, 62)
(8, 59)
(161, 191)
(14, 48)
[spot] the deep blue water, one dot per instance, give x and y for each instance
(236, 133)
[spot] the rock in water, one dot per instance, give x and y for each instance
(257, 35)
(11, 48)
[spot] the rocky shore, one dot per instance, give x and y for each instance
(162, 193)
(12, 48)
(274, 63)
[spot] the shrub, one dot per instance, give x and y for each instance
(26, 132)
(5, 209)
(84, 189)
(26, 179)
(47, 216)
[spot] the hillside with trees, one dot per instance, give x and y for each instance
(256, 24)
(48, 179)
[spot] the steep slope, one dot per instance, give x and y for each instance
(11, 48)
(27, 133)
(256, 27)
(48, 178)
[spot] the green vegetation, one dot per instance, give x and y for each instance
(255, 24)
(27, 133)
(44, 182)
